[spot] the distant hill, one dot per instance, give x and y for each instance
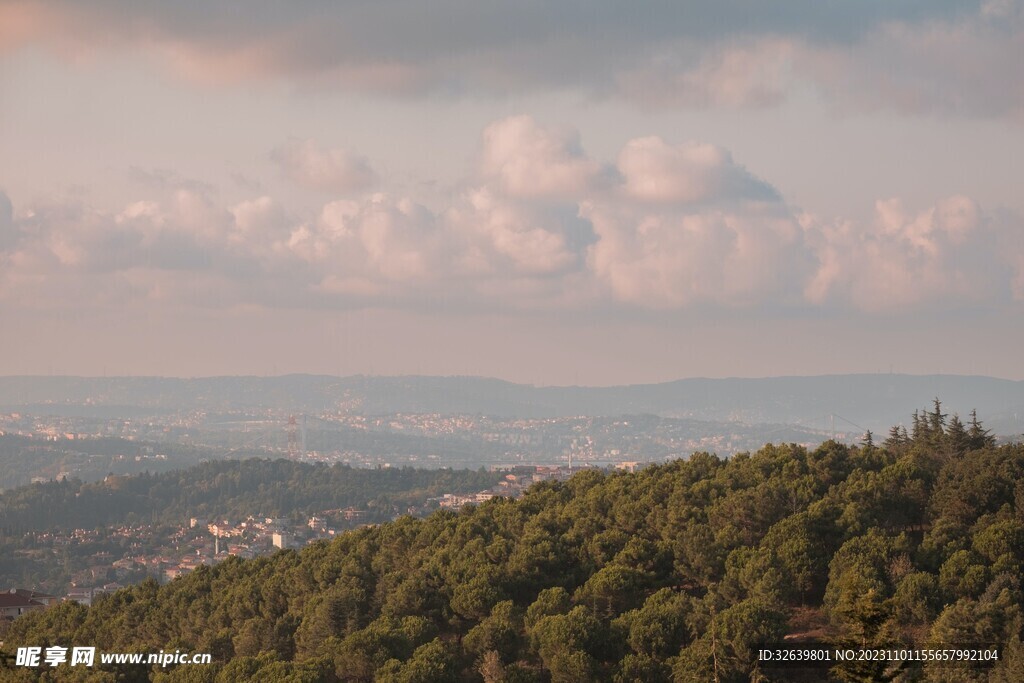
(865, 401)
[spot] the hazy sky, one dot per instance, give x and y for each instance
(549, 192)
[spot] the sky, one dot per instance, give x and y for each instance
(564, 192)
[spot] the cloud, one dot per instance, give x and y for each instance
(946, 256)
(966, 67)
(688, 226)
(481, 250)
(497, 235)
(330, 170)
(954, 56)
(671, 259)
(654, 171)
(369, 244)
(758, 73)
(163, 179)
(527, 160)
(539, 225)
(373, 250)
(186, 249)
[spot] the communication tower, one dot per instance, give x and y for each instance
(293, 438)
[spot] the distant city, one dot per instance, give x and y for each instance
(157, 442)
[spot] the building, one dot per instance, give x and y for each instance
(351, 513)
(45, 598)
(82, 596)
(16, 602)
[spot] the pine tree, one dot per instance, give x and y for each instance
(957, 438)
(977, 436)
(936, 419)
(895, 441)
(919, 428)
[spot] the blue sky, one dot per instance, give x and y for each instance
(567, 192)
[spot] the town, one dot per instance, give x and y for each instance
(127, 554)
(90, 448)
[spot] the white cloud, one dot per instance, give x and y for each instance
(331, 170)
(496, 234)
(387, 239)
(663, 258)
(688, 226)
(261, 221)
(541, 226)
(948, 255)
(655, 171)
(527, 160)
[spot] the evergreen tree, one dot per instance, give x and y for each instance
(919, 429)
(957, 438)
(979, 437)
(896, 440)
(936, 418)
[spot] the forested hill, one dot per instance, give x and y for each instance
(226, 488)
(676, 572)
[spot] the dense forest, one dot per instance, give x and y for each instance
(678, 572)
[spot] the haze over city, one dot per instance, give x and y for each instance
(573, 193)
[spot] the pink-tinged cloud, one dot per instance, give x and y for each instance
(498, 234)
(672, 259)
(947, 256)
(654, 171)
(527, 160)
(539, 226)
(331, 170)
(390, 239)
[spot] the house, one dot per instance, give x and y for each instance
(172, 573)
(45, 598)
(83, 596)
(14, 603)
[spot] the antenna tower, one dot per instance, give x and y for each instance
(293, 438)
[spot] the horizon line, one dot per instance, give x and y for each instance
(505, 381)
